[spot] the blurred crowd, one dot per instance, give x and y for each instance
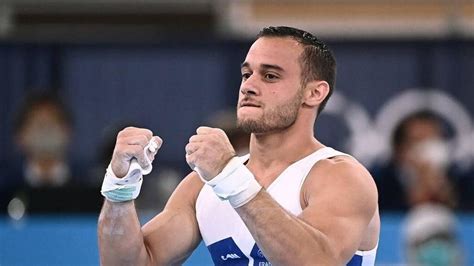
(45, 180)
(417, 180)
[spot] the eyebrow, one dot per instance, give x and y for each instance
(264, 66)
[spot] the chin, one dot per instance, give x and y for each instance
(246, 124)
(249, 113)
(243, 120)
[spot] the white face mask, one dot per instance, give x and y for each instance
(46, 141)
(432, 151)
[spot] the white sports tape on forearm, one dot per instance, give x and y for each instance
(127, 188)
(235, 183)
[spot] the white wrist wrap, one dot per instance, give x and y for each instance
(235, 183)
(122, 189)
(127, 188)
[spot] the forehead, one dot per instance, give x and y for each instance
(281, 51)
(44, 111)
(421, 129)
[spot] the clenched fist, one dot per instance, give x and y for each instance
(130, 144)
(209, 150)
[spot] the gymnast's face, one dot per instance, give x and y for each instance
(270, 93)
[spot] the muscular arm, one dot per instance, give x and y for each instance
(340, 200)
(169, 238)
(173, 235)
(120, 236)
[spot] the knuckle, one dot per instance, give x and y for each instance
(148, 133)
(125, 131)
(143, 139)
(121, 133)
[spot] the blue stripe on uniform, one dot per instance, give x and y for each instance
(355, 261)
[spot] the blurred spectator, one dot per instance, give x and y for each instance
(43, 134)
(45, 180)
(430, 232)
(416, 180)
(417, 171)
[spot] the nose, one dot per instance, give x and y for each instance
(248, 87)
(248, 90)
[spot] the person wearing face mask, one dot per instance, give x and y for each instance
(417, 180)
(418, 170)
(42, 134)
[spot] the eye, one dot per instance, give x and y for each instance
(245, 75)
(270, 77)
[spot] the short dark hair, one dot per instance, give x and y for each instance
(399, 135)
(33, 101)
(317, 61)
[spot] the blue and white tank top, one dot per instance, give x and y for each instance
(225, 234)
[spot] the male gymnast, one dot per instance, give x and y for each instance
(291, 201)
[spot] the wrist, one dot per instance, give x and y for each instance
(235, 183)
(124, 189)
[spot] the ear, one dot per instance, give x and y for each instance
(315, 92)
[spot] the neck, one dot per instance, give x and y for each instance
(284, 146)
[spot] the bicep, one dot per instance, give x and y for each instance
(172, 235)
(341, 207)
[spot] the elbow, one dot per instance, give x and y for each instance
(315, 259)
(328, 253)
(315, 253)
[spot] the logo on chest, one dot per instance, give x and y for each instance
(230, 256)
(226, 252)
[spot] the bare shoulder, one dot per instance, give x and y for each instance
(339, 198)
(342, 178)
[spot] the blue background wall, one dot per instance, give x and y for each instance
(172, 88)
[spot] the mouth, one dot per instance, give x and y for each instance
(249, 104)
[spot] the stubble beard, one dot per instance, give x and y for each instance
(276, 119)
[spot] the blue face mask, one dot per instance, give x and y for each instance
(438, 253)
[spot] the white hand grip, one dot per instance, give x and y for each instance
(135, 170)
(195, 168)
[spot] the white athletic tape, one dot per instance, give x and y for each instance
(235, 183)
(195, 168)
(121, 189)
(127, 188)
(135, 166)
